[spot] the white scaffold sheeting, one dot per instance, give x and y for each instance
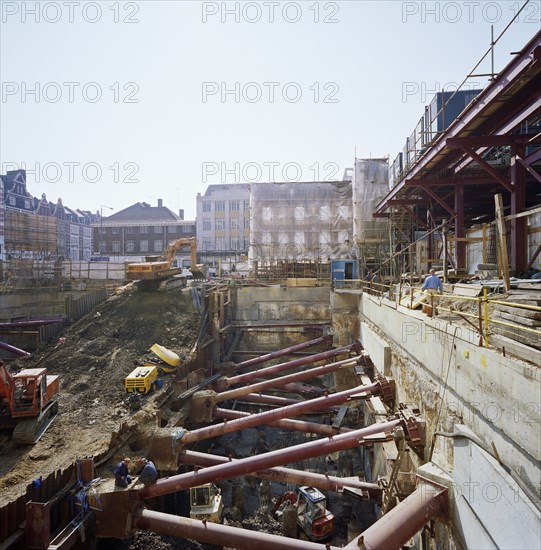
(300, 221)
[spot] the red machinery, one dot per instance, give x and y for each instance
(27, 402)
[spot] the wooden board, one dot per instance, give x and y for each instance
(472, 291)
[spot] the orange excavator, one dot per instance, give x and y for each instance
(156, 272)
(28, 403)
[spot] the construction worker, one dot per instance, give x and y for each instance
(135, 401)
(433, 283)
(147, 471)
(122, 477)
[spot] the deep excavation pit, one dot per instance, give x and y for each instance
(94, 356)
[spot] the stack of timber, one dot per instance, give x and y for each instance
(529, 318)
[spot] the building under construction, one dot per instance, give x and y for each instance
(415, 415)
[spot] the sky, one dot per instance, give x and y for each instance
(110, 103)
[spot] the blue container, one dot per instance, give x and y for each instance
(159, 383)
(343, 270)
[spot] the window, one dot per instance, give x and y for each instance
(207, 226)
(343, 211)
(143, 246)
(158, 245)
(207, 244)
(129, 230)
(246, 223)
(266, 213)
(299, 213)
(325, 213)
(234, 223)
(246, 205)
(12, 201)
(234, 243)
(143, 229)
(158, 229)
(234, 206)
(27, 204)
(103, 246)
(115, 230)
(130, 246)
(219, 206)
(220, 243)
(116, 246)
(188, 229)
(207, 206)
(102, 231)
(219, 223)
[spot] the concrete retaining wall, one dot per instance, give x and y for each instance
(439, 368)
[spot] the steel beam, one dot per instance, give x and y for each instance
(320, 447)
(271, 400)
(283, 380)
(396, 528)
(460, 246)
(286, 423)
(215, 533)
(285, 351)
(317, 404)
(241, 378)
(323, 482)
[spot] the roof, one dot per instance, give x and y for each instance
(226, 187)
(143, 212)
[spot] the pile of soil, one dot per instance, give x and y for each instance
(93, 357)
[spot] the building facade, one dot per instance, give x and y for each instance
(223, 220)
(303, 221)
(140, 230)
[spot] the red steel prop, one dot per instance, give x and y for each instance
(356, 346)
(395, 528)
(215, 533)
(285, 351)
(288, 475)
(286, 423)
(267, 460)
(283, 380)
(317, 404)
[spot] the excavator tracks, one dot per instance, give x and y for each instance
(29, 431)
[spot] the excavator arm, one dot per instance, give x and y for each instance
(170, 251)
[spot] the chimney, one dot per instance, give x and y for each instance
(160, 202)
(181, 213)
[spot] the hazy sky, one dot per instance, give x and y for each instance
(110, 103)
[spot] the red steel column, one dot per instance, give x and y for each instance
(395, 528)
(319, 403)
(271, 400)
(215, 533)
(286, 423)
(288, 475)
(292, 364)
(283, 380)
(285, 351)
(256, 463)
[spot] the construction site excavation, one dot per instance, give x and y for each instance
(308, 365)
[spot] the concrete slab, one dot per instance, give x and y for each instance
(377, 348)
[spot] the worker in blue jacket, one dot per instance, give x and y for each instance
(122, 477)
(148, 473)
(432, 282)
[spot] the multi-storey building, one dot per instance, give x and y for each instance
(36, 229)
(302, 221)
(140, 230)
(223, 220)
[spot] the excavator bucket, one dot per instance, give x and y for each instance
(166, 355)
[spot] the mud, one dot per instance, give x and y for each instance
(93, 357)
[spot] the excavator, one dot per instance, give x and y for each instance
(28, 403)
(156, 272)
(312, 514)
